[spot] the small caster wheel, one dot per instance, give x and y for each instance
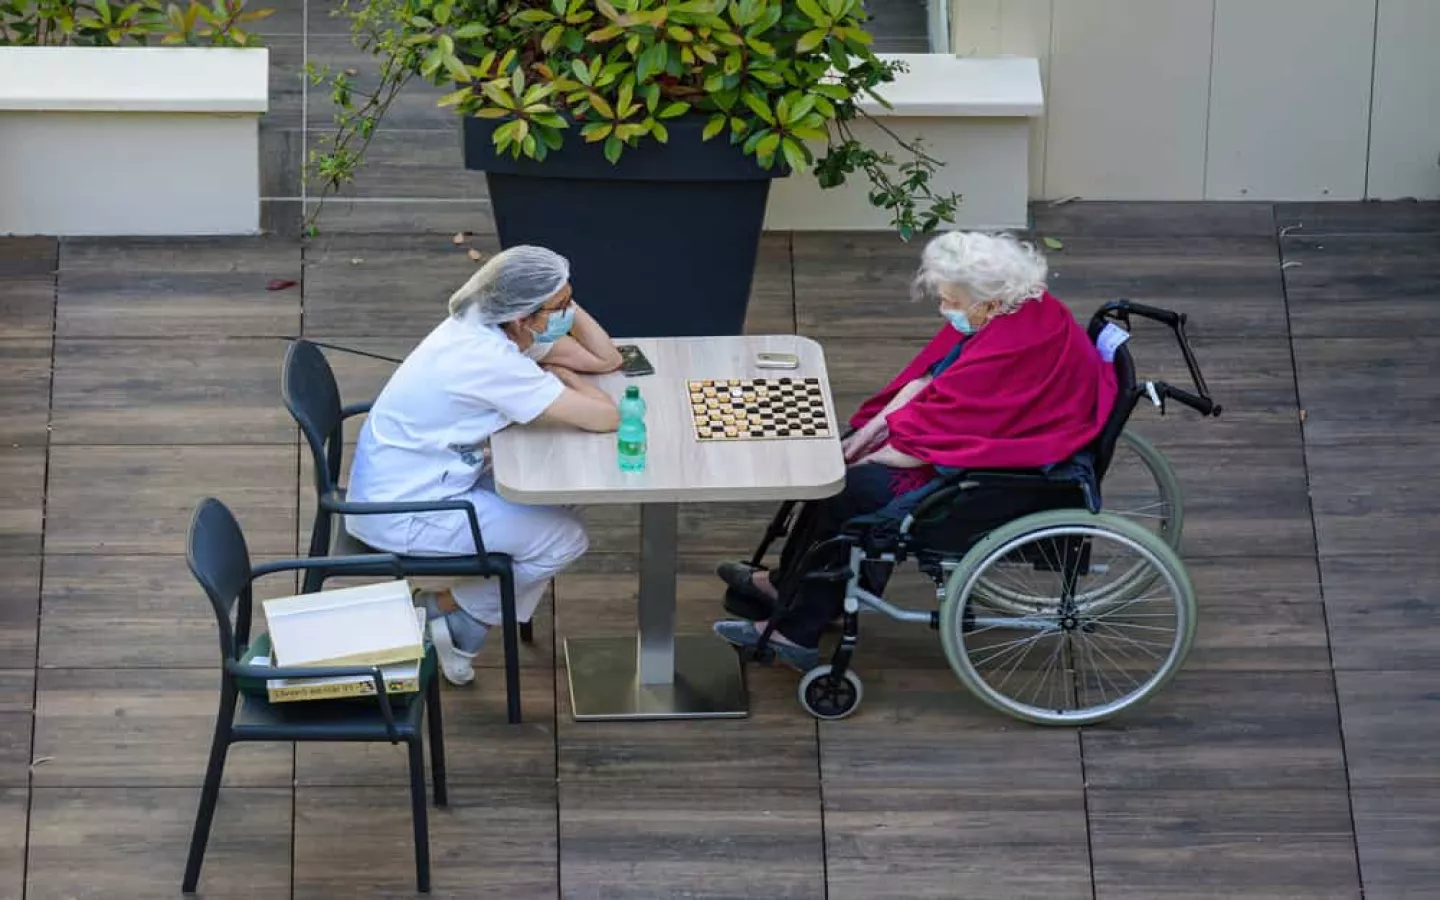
(826, 697)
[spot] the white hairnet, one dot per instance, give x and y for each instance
(512, 284)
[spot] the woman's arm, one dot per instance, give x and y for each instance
(587, 348)
(889, 456)
(581, 405)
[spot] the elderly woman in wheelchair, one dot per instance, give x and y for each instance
(983, 461)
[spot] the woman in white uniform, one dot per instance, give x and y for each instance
(427, 438)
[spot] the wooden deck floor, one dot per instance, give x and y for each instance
(1292, 758)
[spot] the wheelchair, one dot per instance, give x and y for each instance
(1058, 608)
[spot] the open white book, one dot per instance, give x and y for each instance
(374, 624)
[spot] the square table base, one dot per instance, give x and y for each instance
(605, 681)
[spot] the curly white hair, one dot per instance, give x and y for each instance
(992, 268)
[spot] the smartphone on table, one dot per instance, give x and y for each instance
(633, 362)
(777, 361)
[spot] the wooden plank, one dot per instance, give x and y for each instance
(1230, 286)
(1256, 48)
(1369, 503)
(772, 292)
(140, 728)
(1259, 844)
(281, 158)
(704, 841)
(399, 218)
(138, 838)
(1396, 833)
(415, 165)
(1355, 389)
(139, 500)
(14, 822)
(19, 608)
(1101, 219)
(1390, 725)
(27, 307)
(1224, 730)
(355, 842)
(1115, 136)
(1382, 615)
(1244, 486)
(134, 611)
(27, 257)
(165, 392)
(1363, 286)
(718, 808)
(854, 284)
(22, 493)
(912, 810)
(17, 696)
(172, 288)
(287, 86)
(481, 748)
(1396, 217)
(365, 286)
(24, 389)
(415, 109)
(538, 463)
(1258, 614)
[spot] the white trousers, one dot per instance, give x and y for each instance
(542, 540)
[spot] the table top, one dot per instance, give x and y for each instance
(542, 464)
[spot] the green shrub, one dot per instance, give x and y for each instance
(768, 75)
(99, 23)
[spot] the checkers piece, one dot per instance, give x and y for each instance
(759, 409)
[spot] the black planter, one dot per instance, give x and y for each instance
(661, 245)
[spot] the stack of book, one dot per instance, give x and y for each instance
(372, 625)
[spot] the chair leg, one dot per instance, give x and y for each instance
(437, 742)
(209, 794)
(527, 632)
(512, 646)
(418, 812)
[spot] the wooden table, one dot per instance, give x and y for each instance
(645, 677)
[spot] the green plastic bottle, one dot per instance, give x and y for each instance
(631, 437)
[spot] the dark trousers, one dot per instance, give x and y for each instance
(868, 488)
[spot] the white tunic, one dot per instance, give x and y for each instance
(427, 436)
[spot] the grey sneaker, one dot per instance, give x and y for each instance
(456, 664)
(745, 634)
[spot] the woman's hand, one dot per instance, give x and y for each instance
(889, 456)
(865, 439)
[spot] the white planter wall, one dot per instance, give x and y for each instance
(1224, 99)
(130, 141)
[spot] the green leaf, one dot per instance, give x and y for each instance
(534, 16)
(810, 40)
(601, 105)
(794, 155)
(767, 144)
(713, 127)
(581, 72)
(455, 97)
(761, 47)
(471, 31)
(613, 149)
(813, 10)
(552, 38)
(672, 110)
(661, 133)
(1053, 243)
(758, 107)
(801, 108)
(596, 131)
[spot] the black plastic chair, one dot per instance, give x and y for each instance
(311, 394)
(220, 561)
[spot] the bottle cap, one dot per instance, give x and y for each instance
(632, 392)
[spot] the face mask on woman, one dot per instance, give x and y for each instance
(557, 326)
(958, 320)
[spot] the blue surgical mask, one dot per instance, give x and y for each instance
(557, 326)
(958, 320)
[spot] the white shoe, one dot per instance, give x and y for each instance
(455, 664)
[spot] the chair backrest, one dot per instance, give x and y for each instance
(1127, 394)
(220, 561)
(311, 394)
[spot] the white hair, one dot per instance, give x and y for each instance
(512, 284)
(990, 267)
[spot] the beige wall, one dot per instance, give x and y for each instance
(1224, 99)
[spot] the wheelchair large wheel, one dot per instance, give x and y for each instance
(1061, 661)
(1140, 486)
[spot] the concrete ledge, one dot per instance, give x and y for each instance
(135, 79)
(131, 141)
(974, 115)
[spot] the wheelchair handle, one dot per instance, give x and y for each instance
(1165, 317)
(1122, 310)
(1203, 405)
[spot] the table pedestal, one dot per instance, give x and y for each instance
(654, 675)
